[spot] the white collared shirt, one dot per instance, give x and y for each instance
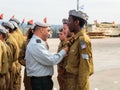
(39, 61)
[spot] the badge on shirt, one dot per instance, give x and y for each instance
(83, 44)
(85, 56)
(72, 50)
(38, 41)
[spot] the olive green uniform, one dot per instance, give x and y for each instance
(23, 62)
(19, 39)
(5, 66)
(2, 72)
(1, 51)
(80, 62)
(15, 52)
(61, 69)
(10, 59)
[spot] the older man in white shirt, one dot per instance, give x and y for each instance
(39, 61)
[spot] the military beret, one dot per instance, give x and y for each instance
(8, 24)
(30, 26)
(64, 21)
(78, 14)
(15, 20)
(14, 24)
(3, 30)
(41, 24)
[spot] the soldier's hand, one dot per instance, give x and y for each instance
(66, 49)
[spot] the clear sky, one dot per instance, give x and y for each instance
(55, 10)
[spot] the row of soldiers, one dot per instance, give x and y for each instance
(11, 40)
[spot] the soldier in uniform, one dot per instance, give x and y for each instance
(16, 22)
(17, 34)
(61, 66)
(10, 40)
(64, 36)
(79, 61)
(5, 61)
(2, 73)
(2, 76)
(22, 60)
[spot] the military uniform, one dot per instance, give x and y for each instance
(10, 59)
(14, 41)
(2, 71)
(61, 68)
(5, 65)
(6, 59)
(19, 39)
(15, 52)
(23, 62)
(39, 61)
(80, 62)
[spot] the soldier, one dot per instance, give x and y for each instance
(22, 60)
(80, 61)
(66, 28)
(16, 22)
(61, 66)
(5, 61)
(15, 52)
(2, 76)
(17, 34)
(64, 36)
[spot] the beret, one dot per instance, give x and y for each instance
(41, 24)
(15, 20)
(64, 21)
(79, 14)
(8, 24)
(14, 24)
(3, 30)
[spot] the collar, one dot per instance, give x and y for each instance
(80, 33)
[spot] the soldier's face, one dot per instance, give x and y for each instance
(62, 36)
(1, 36)
(65, 29)
(71, 24)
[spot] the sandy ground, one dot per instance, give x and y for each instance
(106, 55)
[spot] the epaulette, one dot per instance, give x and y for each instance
(8, 43)
(38, 41)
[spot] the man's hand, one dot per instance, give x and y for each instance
(66, 49)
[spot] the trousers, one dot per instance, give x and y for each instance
(42, 83)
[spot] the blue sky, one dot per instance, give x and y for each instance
(55, 10)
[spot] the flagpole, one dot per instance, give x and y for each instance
(77, 4)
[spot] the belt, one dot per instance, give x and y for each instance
(1, 75)
(41, 76)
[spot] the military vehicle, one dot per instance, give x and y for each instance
(109, 29)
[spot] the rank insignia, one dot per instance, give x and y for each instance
(83, 44)
(38, 40)
(85, 56)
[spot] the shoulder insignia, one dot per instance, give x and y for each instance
(8, 43)
(83, 44)
(38, 41)
(85, 56)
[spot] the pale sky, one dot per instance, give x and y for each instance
(55, 10)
